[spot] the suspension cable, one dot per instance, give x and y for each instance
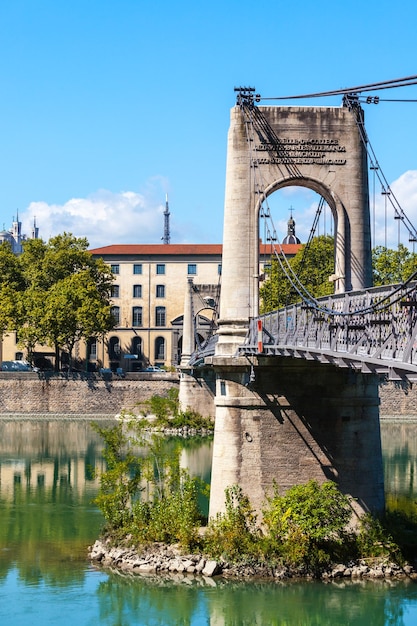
(388, 84)
(351, 102)
(312, 232)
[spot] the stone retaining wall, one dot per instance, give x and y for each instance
(398, 399)
(79, 395)
(30, 393)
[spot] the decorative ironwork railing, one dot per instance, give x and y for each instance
(372, 330)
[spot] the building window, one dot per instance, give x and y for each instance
(137, 291)
(160, 291)
(160, 268)
(115, 311)
(219, 269)
(114, 291)
(137, 268)
(137, 316)
(115, 268)
(114, 348)
(159, 349)
(192, 269)
(160, 316)
(136, 346)
(92, 349)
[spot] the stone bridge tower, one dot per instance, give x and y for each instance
(282, 419)
(321, 148)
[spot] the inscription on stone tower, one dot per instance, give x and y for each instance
(314, 151)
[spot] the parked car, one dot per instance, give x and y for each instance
(153, 369)
(17, 366)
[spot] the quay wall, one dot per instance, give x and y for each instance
(398, 399)
(30, 393)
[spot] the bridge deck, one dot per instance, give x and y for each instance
(372, 330)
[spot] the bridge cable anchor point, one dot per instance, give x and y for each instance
(251, 379)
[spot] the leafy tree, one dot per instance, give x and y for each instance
(392, 266)
(148, 497)
(313, 271)
(11, 283)
(389, 267)
(30, 305)
(54, 293)
(75, 309)
(120, 482)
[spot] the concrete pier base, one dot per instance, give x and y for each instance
(296, 421)
(197, 390)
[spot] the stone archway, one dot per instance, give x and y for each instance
(273, 147)
(342, 258)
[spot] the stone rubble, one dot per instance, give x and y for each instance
(160, 558)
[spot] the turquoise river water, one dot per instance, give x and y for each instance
(47, 521)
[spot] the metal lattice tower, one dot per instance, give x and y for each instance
(167, 235)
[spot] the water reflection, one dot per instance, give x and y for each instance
(46, 486)
(399, 446)
(47, 520)
(48, 479)
(43, 455)
(141, 601)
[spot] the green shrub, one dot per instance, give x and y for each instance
(190, 419)
(167, 412)
(149, 496)
(163, 407)
(374, 539)
(307, 525)
(175, 518)
(233, 535)
(119, 484)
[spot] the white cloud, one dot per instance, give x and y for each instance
(405, 191)
(103, 217)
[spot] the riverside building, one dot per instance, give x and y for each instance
(148, 296)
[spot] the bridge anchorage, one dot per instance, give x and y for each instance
(295, 392)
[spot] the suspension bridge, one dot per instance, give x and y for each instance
(295, 392)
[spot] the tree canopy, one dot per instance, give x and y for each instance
(54, 293)
(393, 266)
(314, 269)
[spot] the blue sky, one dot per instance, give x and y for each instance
(108, 105)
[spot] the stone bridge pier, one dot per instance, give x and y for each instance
(291, 421)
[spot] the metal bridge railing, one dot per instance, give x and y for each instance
(373, 330)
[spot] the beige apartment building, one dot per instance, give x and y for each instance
(148, 301)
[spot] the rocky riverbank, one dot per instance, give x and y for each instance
(168, 559)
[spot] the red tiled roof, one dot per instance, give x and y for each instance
(286, 248)
(159, 249)
(181, 249)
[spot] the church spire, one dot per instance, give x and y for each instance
(291, 236)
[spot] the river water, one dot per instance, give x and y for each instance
(47, 521)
